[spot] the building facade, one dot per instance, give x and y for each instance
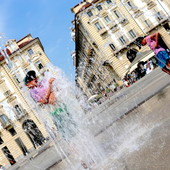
(21, 132)
(110, 28)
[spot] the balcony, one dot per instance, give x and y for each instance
(11, 98)
(148, 28)
(25, 64)
(123, 21)
(5, 121)
(133, 9)
(111, 24)
(2, 81)
(114, 28)
(102, 31)
(7, 93)
(137, 13)
(160, 17)
(113, 5)
(89, 51)
(20, 114)
(150, 4)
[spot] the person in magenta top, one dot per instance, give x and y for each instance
(161, 54)
(40, 91)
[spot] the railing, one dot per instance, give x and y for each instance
(123, 21)
(5, 121)
(114, 28)
(102, 31)
(150, 4)
(7, 93)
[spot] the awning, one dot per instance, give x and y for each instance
(140, 56)
(92, 98)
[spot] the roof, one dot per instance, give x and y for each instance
(2, 57)
(86, 6)
(25, 43)
(24, 38)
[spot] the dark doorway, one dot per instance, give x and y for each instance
(162, 43)
(33, 133)
(12, 131)
(22, 146)
(8, 155)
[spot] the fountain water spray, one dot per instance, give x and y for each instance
(65, 122)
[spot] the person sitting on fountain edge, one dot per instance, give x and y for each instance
(160, 53)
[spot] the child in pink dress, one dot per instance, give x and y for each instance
(160, 53)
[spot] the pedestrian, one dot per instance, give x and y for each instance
(42, 92)
(161, 54)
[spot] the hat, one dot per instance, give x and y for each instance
(31, 75)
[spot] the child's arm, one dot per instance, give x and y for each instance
(155, 37)
(52, 98)
(44, 99)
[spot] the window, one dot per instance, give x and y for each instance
(21, 145)
(99, 7)
(18, 110)
(26, 71)
(8, 155)
(98, 26)
(12, 131)
(39, 65)
(1, 141)
(131, 32)
(89, 85)
(112, 47)
(89, 13)
(122, 40)
(4, 120)
(107, 19)
(109, 1)
(159, 16)
(146, 22)
(16, 78)
(117, 14)
(30, 52)
(166, 26)
(94, 78)
(129, 3)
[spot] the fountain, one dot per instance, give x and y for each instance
(65, 122)
(106, 138)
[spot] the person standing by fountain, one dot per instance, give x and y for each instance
(42, 92)
(161, 54)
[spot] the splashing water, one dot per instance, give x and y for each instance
(69, 119)
(65, 121)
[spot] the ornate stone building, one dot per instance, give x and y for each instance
(21, 132)
(109, 29)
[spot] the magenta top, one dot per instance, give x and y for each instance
(37, 93)
(151, 43)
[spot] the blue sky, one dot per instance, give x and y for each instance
(49, 20)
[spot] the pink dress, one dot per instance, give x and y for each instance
(37, 93)
(151, 43)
